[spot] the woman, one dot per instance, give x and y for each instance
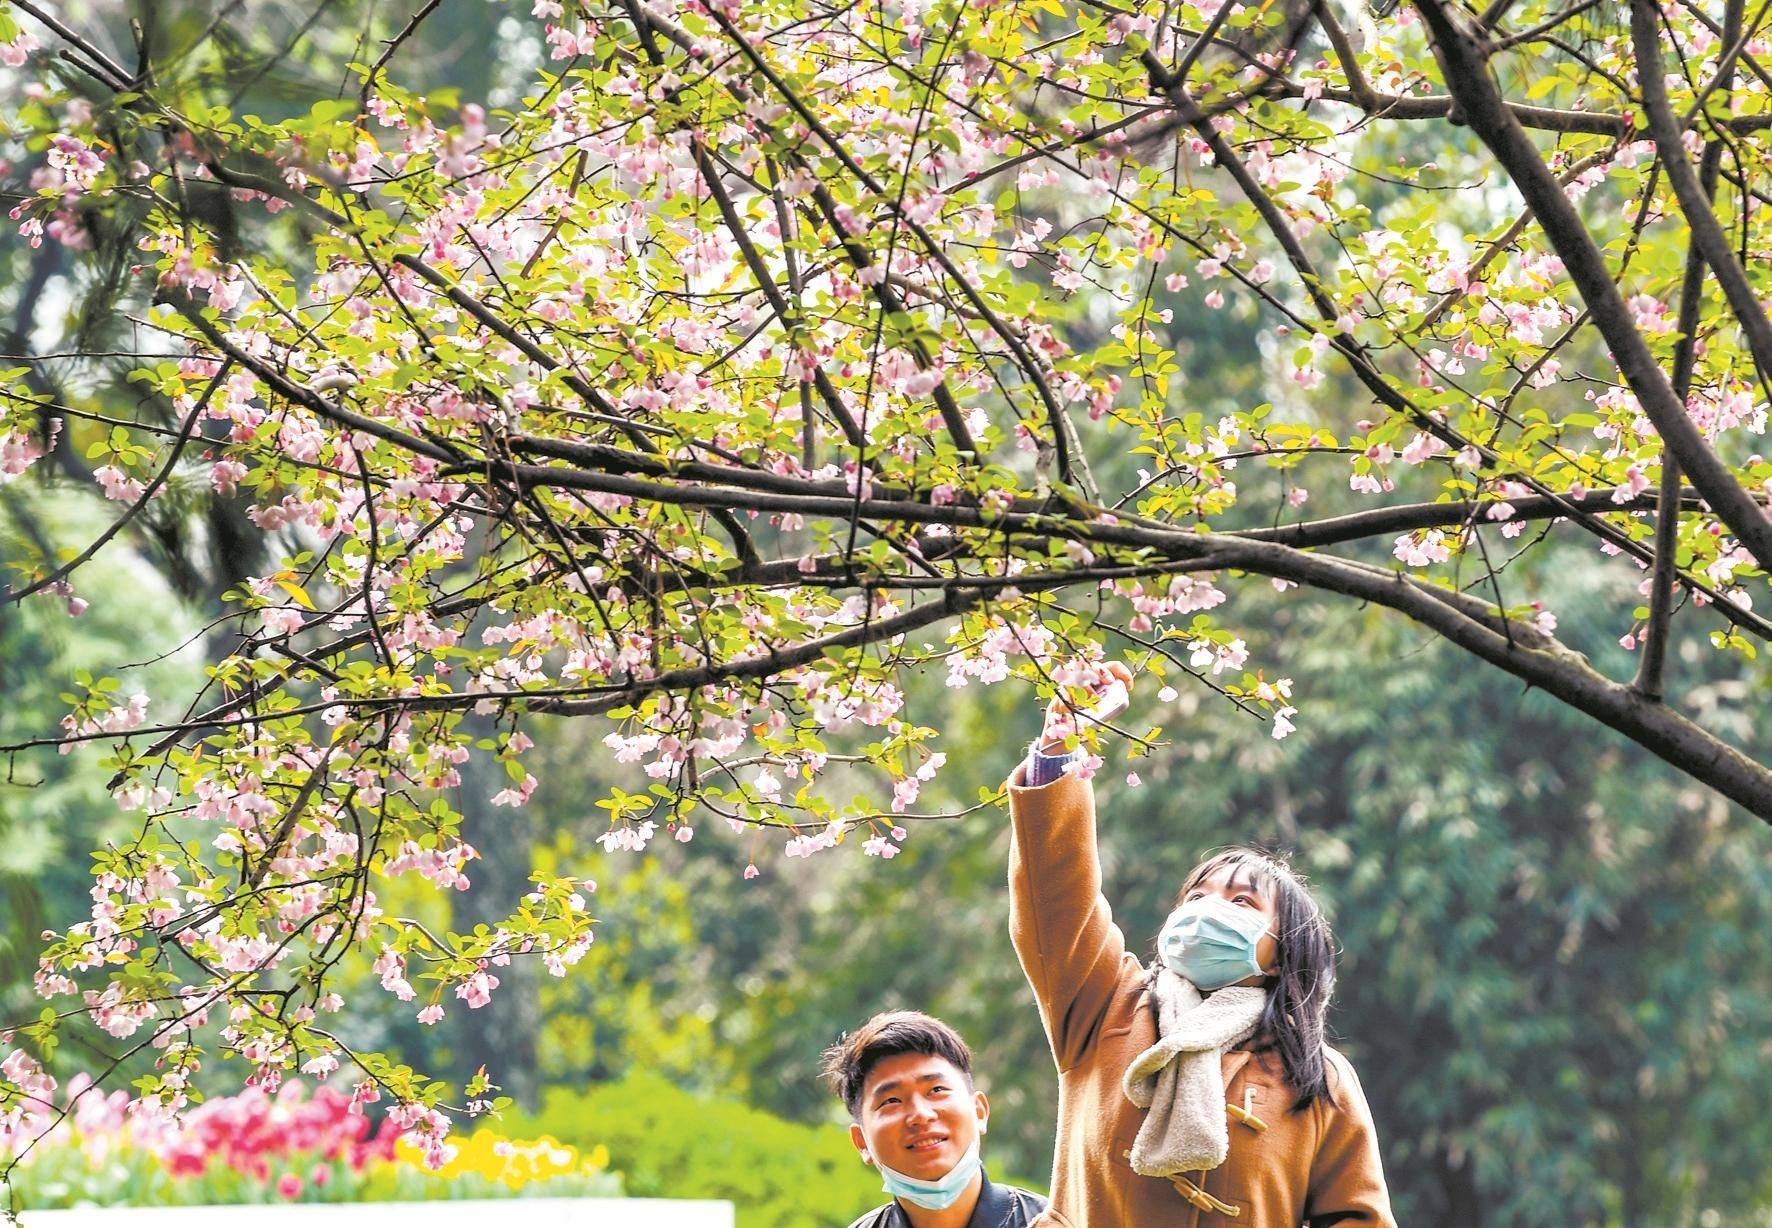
(1199, 1092)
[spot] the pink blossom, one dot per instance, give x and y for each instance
(1650, 313)
(390, 965)
(476, 991)
(1635, 483)
(517, 796)
(13, 54)
(225, 476)
(1423, 447)
(117, 484)
(18, 452)
(904, 792)
(631, 838)
(1086, 767)
(281, 620)
(1422, 548)
(116, 719)
(1219, 657)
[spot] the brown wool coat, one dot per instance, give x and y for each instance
(1318, 1167)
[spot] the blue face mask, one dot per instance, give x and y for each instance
(937, 1195)
(1212, 942)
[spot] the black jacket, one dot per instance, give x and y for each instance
(999, 1206)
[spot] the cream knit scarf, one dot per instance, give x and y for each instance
(1180, 1079)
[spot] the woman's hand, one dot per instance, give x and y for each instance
(1112, 694)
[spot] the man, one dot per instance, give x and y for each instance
(906, 1079)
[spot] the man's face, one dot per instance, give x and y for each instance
(919, 1115)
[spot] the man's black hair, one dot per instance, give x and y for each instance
(847, 1064)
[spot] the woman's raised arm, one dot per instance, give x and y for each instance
(1074, 955)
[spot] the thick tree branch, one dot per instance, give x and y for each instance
(1707, 232)
(1364, 369)
(1534, 658)
(1035, 518)
(1464, 64)
(1542, 119)
(1667, 520)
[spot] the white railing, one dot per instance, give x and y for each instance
(487, 1213)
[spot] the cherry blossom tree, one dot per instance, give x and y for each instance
(767, 354)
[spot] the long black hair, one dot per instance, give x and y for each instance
(1304, 980)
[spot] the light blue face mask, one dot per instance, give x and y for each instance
(937, 1195)
(1212, 942)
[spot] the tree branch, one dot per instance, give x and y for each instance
(788, 312)
(1464, 65)
(1534, 658)
(1024, 358)
(117, 76)
(1707, 233)
(1544, 119)
(393, 45)
(307, 398)
(954, 601)
(141, 501)
(1667, 521)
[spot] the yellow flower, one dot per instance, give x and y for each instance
(513, 1162)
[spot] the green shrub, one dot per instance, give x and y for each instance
(666, 1143)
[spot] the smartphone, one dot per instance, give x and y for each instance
(1112, 703)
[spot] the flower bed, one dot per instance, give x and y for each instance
(290, 1146)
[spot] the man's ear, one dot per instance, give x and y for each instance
(983, 1107)
(861, 1143)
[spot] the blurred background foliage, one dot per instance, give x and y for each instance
(1556, 971)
